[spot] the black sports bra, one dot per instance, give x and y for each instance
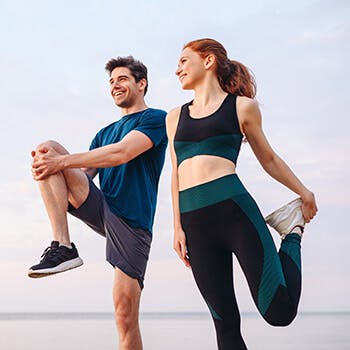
(217, 134)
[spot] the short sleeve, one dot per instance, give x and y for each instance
(94, 143)
(152, 124)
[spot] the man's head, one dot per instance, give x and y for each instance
(128, 80)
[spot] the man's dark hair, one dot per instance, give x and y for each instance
(137, 68)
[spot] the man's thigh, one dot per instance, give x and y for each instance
(92, 211)
(127, 248)
(77, 185)
(126, 290)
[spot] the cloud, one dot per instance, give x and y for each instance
(333, 35)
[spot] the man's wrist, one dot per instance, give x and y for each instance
(64, 163)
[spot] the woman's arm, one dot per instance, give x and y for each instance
(179, 235)
(250, 120)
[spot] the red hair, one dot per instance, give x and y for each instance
(233, 76)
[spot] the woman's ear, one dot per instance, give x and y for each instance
(209, 61)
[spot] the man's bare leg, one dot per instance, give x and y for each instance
(57, 190)
(54, 193)
(126, 296)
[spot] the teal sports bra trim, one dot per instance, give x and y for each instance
(218, 134)
(225, 146)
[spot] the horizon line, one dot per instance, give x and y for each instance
(105, 315)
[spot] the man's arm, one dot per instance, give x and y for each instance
(133, 144)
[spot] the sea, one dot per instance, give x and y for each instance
(169, 331)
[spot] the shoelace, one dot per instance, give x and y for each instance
(49, 252)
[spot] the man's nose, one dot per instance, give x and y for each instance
(115, 84)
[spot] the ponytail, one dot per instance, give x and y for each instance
(233, 76)
(239, 80)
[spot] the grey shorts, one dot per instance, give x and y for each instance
(126, 247)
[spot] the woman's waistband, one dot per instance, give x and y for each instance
(211, 192)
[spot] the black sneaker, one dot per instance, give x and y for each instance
(56, 259)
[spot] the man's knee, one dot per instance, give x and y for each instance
(51, 144)
(126, 310)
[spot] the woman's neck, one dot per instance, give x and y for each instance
(208, 92)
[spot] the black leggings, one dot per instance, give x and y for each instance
(220, 217)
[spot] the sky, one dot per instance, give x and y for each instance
(53, 86)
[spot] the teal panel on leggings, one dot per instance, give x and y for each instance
(210, 193)
(230, 187)
(291, 246)
(213, 312)
(272, 276)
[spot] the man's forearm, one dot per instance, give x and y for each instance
(103, 157)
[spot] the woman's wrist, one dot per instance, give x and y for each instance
(177, 226)
(307, 195)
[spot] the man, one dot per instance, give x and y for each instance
(128, 155)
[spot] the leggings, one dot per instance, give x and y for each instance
(220, 218)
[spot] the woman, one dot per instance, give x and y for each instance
(214, 215)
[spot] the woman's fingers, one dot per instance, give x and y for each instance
(184, 256)
(309, 208)
(181, 250)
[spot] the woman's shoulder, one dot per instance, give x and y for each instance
(247, 104)
(173, 114)
(171, 121)
(248, 110)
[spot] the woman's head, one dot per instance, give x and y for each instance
(232, 76)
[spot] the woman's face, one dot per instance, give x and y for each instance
(191, 69)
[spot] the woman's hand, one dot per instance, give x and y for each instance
(309, 207)
(180, 246)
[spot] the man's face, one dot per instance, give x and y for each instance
(124, 89)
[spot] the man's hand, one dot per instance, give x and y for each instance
(46, 162)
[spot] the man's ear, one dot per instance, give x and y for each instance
(209, 61)
(142, 84)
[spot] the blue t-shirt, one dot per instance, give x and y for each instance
(131, 189)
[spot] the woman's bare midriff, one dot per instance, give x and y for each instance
(201, 169)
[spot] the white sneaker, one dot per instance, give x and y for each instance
(285, 219)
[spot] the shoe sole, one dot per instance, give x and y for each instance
(65, 266)
(293, 208)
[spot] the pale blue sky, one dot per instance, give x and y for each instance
(53, 86)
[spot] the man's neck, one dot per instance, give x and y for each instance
(137, 107)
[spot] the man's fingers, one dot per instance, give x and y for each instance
(40, 176)
(43, 149)
(37, 167)
(37, 163)
(39, 172)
